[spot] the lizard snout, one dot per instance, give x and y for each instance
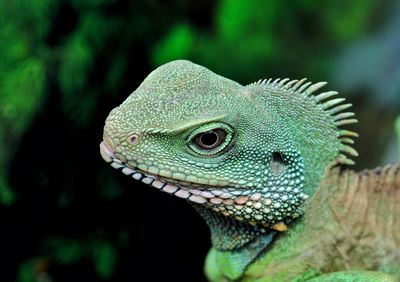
(106, 152)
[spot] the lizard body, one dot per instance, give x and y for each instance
(252, 159)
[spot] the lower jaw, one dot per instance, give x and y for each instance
(191, 194)
(227, 233)
(230, 228)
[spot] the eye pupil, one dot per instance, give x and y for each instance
(209, 138)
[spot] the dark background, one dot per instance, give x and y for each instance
(65, 214)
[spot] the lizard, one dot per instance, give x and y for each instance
(266, 166)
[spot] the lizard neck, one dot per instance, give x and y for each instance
(235, 244)
(228, 234)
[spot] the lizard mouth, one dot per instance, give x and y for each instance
(275, 204)
(211, 194)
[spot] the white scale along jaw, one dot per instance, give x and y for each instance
(278, 201)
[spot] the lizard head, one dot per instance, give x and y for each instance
(250, 155)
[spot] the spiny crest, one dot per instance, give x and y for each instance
(333, 107)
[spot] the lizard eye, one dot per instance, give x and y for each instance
(210, 139)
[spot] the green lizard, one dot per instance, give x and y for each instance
(262, 164)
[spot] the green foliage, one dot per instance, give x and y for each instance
(110, 190)
(33, 28)
(27, 271)
(7, 195)
(177, 45)
(346, 24)
(240, 19)
(34, 270)
(90, 4)
(63, 250)
(21, 93)
(105, 259)
(26, 65)
(67, 251)
(22, 77)
(77, 60)
(256, 36)
(75, 64)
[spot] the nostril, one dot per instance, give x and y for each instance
(133, 139)
(106, 152)
(108, 140)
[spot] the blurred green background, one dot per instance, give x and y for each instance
(67, 216)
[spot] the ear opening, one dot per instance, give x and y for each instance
(278, 164)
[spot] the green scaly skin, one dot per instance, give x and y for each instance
(273, 142)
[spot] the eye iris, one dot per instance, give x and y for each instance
(210, 140)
